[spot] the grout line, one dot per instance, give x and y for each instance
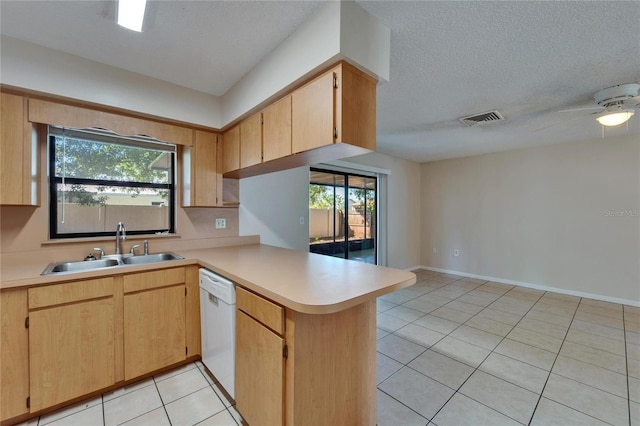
(164, 407)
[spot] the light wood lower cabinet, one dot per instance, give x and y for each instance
(14, 354)
(71, 341)
(154, 321)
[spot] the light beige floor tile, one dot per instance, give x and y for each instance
(405, 313)
(526, 353)
(462, 351)
(516, 372)
(490, 326)
(390, 323)
(591, 375)
(432, 298)
(467, 308)
(90, 416)
(478, 281)
(127, 389)
(632, 337)
(512, 305)
(634, 414)
(442, 368)
(417, 391)
(633, 366)
(479, 298)
(614, 311)
(171, 373)
(393, 413)
(477, 337)
(560, 320)
(452, 293)
(451, 276)
(72, 409)
(538, 340)
(557, 331)
(633, 351)
(634, 389)
(397, 297)
(517, 293)
(236, 415)
(461, 410)
(451, 315)
(438, 324)
(223, 418)
(509, 399)
(380, 333)
(419, 335)
(385, 367)
(554, 309)
(30, 422)
(597, 329)
(551, 413)
(180, 385)
(594, 356)
(157, 417)
(594, 341)
(398, 348)
(599, 319)
(505, 317)
(632, 326)
(131, 405)
(223, 395)
(194, 408)
(494, 287)
(383, 305)
(589, 400)
(421, 305)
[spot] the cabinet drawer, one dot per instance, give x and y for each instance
(58, 294)
(268, 313)
(153, 279)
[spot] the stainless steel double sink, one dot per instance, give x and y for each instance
(110, 261)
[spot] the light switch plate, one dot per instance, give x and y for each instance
(221, 223)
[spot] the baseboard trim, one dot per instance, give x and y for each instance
(629, 302)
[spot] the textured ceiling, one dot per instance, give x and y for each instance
(448, 60)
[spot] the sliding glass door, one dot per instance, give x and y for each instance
(342, 215)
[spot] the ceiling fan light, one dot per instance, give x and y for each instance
(615, 118)
(131, 14)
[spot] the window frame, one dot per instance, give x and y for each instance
(54, 181)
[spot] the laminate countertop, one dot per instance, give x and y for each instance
(305, 282)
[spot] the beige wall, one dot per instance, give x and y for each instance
(561, 216)
(403, 207)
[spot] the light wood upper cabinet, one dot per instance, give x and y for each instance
(14, 350)
(251, 141)
(201, 183)
(337, 106)
(71, 341)
(230, 158)
(276, 130)
(154, 321)
(19, 160)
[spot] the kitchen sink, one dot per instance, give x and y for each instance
(150, 258)
(109, 261)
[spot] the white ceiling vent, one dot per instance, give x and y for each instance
(483, 118)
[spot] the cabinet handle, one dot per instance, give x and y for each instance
(26, 322)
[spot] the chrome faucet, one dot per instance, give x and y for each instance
(121, 234)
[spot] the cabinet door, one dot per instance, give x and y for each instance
(230, 158)
(71, 351)
(14, 350)
(312, 114)
(251, 141)
(276, 130)
(259, 372)
(200, 177)
(18, 160)
(154, 330)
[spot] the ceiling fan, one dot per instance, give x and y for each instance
(616, 104)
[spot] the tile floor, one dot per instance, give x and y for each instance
(184, 396)
(451, 351)
(462, 351)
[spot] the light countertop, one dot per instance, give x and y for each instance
(305, 282)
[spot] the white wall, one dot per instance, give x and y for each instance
(271, 206)
(546, 216)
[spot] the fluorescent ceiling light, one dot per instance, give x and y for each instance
(615, 118)
(131, 14)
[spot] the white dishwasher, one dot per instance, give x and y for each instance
(218, 327)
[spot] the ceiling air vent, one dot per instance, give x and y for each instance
(485, 117)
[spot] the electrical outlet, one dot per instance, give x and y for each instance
(456, 252)
(221, 223)
(301, 220)
(435, 250)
